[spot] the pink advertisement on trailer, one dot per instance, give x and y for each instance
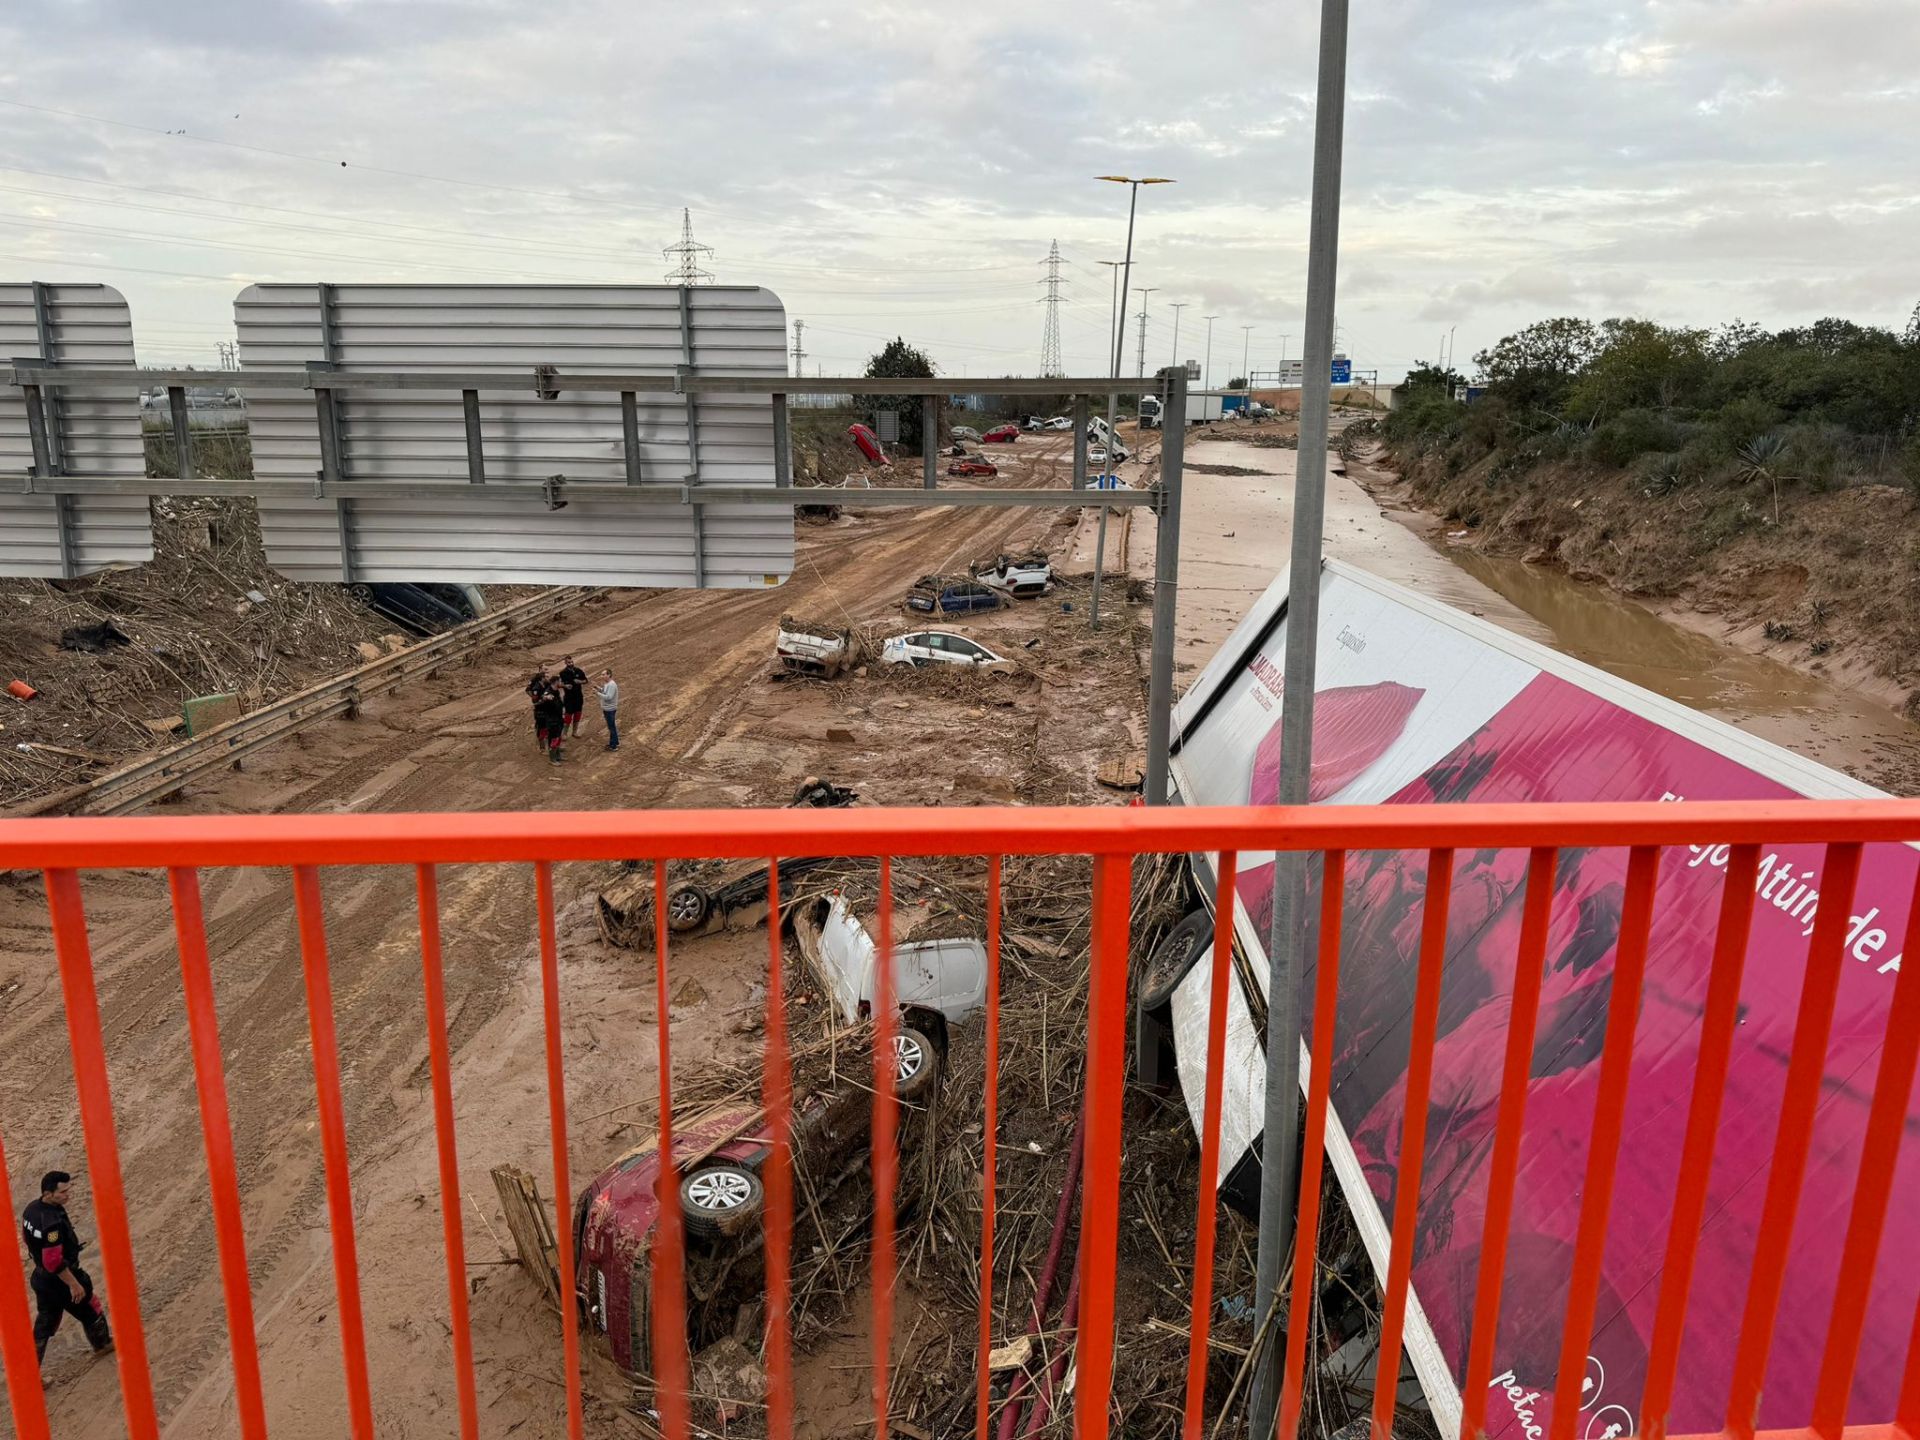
(1410, 711)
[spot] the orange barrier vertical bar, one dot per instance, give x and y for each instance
(557, 1128)
(1718, 1022)
(439, 1060)
(776, 1092)
(216, 1133)
(25, 1396)
(1906, 1410)
(1885, 1120)
(1805, 1067)
(886, 1157)
(1100, 1201)
(1326, 994)
(333, 1144)
(1200, 1312)
(1413, 1135)
(1522, 1017)
(103, 1149)
(671, 1365)
(1603, 1144)
(983, 1385)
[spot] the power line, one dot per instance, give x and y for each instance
(688, 255)
(1050, 362)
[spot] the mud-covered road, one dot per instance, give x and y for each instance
(700, 725)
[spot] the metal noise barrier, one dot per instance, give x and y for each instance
(186, 847)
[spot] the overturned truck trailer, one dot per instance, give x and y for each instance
(1418, 703)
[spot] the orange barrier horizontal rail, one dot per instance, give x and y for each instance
(512, 836)
(1443, 846)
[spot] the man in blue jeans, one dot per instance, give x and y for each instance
(610, 707)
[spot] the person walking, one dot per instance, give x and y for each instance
(609, 691)
(60, 1286)
(573, 687)
(550, 719)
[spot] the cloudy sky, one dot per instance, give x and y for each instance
(895, 167)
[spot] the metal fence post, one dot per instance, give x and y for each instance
(1166, 583)
(1080, 442)
(182, 431)
(930, 441)
(476, 451)
(782, 444)
(1293, 923)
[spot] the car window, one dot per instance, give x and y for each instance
(937, 641)
(966, 648)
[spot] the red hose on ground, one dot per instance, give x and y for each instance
(1042, 1410)
(1043, 1291)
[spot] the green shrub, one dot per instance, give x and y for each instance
(1631, 434)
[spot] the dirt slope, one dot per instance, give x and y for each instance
(700, 726)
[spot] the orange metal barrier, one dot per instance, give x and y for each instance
(1112, 837)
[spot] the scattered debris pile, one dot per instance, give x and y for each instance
(115, 655)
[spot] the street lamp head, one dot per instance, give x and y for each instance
(1129, 180)
(1158, 180)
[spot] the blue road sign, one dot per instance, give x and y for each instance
(1343, 372)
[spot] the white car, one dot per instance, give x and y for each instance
(966, 432)
(1023, 578)
(940, 647)
(1034, 422)
(947, 978)
(1059, 422)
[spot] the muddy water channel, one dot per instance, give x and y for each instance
(1803, 713)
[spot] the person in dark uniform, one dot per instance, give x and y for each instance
(60, 1286)
(573, 688)
(550, 720)
(536, 687)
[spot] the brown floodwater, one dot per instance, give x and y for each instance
(1804, 713)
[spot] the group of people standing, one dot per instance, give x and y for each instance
(559, 700)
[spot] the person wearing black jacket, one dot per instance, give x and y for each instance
(573, 687)
(550, 720)
(536, 687)
(60, 1286)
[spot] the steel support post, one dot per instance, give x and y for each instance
(182, 432)
(930, 442)
(782, 444)
(1291, 933)
(681, 375)
(630, 435)
(1166, 585)
(50, 400)
(39, 433)
(1079, 442)
(476, 450)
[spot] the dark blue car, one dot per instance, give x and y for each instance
(957, 598)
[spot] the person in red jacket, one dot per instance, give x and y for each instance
(60, 1286)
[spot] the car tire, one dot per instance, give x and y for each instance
(721, 1200)
(1176, 954)
(688, 906)
(916, 1063)
(360, 593)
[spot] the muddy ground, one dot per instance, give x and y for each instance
(703, 724)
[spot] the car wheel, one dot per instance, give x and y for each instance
(1172, 958)
(916, 1064)
(721, 1200)
(360, 594)
(687, 907)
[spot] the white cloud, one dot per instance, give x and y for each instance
(895, 165)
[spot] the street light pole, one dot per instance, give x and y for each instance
(1246, 345)
(1206, 382)
(1291, 934)
(1177, 307)
(1119, 338)
(1283, 356)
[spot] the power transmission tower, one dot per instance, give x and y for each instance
(1050, 361)
(1145, 290)
(799, 350)
(686, 257)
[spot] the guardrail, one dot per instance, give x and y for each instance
(1112, 837)
(154, 776)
